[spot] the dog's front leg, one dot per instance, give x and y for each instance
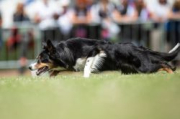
(87, 68)
(54, 73)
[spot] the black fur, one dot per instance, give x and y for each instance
(67, 52)
(132, 59)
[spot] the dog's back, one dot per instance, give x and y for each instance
(71, 50)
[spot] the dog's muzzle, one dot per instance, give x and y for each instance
(32, 67)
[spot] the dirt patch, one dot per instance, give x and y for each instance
(13, 73)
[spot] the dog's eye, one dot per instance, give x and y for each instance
(38, 61)
(45, 60)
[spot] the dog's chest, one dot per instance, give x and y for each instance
(80, 63)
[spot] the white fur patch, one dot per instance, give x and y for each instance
(98, 61)
(80, 64)
(103, 54)
(32, 66)
(93, 63)
(87, 68)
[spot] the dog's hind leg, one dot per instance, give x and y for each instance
(167, 68)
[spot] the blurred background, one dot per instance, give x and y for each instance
(25, 24)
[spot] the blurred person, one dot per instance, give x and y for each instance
(0, 20)
(126, 11)
(159, 15)
(20, 15)
(29, 1)
(14, 40)
(173, 25)
(0, 31)
(80, 18)
(143, 15)
(103, 13)
(25, 40)
(80, 12)
(160, 11)
(46, 14)
(64, 20)
(126, 14)
(174, 13)
(90, 3)
(133, 11)
(141, 10)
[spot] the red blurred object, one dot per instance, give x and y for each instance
(105, 33)
(14, 40)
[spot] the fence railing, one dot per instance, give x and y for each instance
(25, 39)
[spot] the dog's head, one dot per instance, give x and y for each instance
(52, 58)
(46, 60)
(43, 63)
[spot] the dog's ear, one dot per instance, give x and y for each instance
(50, 47)
(44, 45)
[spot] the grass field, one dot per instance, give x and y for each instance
(107, 95)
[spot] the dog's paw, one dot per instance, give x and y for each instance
(86, 75)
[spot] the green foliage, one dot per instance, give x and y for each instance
(108, 95)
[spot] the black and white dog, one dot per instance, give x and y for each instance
(71, 54)
(89, 55)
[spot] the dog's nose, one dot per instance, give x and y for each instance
(30, 68)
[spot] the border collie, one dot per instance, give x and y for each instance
(91, 56)
(70, 55)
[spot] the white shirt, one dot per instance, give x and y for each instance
(95, 11)
(46, 12)
(160, 10)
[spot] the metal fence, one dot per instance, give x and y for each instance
(159, 37)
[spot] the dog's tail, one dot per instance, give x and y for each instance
(172, 53)
(175, 48)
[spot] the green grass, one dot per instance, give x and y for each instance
(107, 95)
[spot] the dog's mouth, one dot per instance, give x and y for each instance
(42, 70)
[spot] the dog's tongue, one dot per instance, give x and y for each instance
(38, 72)
(41, 70)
